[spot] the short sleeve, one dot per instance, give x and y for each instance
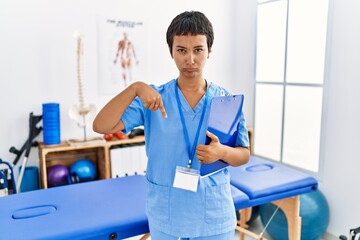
(133, 115)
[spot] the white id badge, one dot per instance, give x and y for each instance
(186, 179)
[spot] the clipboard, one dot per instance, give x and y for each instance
(223, 121)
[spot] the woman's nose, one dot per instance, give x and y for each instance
(190, 58)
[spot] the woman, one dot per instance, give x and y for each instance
(180, 204)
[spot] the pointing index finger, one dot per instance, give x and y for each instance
(162, 109)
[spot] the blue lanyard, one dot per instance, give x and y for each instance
(191, 150)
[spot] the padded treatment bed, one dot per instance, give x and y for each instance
(115, 208)
(103, 209)
(264, 181)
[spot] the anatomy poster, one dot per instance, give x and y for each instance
(122, 56)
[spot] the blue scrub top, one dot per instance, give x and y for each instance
(174, 211)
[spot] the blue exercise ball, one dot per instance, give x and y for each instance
(314, 212)
(82, 170)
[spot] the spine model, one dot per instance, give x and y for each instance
(81, 113)
(80, 73)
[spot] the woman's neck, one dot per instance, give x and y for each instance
(192, 86)
(193, 91)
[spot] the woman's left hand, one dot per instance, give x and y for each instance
(211, 152)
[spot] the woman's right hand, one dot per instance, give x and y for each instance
(151, 99)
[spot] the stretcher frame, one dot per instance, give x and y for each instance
(285, 192)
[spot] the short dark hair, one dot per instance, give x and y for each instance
(190, 22)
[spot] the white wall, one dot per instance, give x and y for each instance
(245, 44)
(37, 65)
(340, 180)
(38, 56)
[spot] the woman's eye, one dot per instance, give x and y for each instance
(181, 50)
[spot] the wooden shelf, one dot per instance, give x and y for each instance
(66, 154)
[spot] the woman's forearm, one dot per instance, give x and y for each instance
(108, 120)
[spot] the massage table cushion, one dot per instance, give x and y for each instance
(91, 210)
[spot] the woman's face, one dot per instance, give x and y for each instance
(190, 54)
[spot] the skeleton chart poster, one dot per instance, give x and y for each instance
(122, 54)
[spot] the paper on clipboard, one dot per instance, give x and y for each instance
(223, 121)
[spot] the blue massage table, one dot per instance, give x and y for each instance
(115, 208)
(264, 181)
(103, 209)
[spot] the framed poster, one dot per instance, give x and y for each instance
(122, 54)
